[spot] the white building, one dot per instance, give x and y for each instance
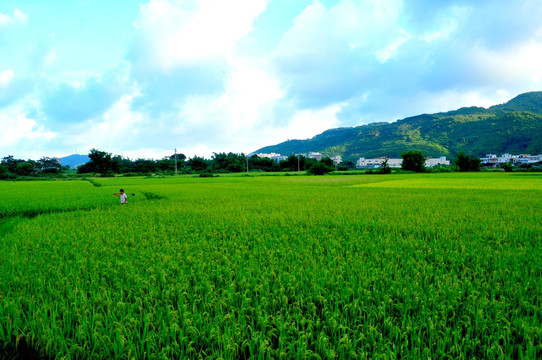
(494, 160)
(315, 155)
(490, 160)
(441, 161)
(279, 158)
(375, 163)
(269, 155)
(337, 159)
(528, 159)
(274, 156)
(364, 163)
(395, 163)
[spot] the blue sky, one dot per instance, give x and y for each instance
(141, 78)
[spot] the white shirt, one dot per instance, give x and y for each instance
(123, 198)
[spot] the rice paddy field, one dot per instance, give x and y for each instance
(430, 266)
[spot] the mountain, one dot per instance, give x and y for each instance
(73, 161)
(513, 127)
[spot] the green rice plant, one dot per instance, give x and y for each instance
(344, 267)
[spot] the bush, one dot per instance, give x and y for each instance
(413, 161)
(384, 167)
(320, 168)
(467, 163)
(507, 167)
(443, 169)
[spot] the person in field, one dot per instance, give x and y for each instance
(123, 197)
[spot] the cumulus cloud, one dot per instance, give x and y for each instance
(373, 54)
(115, 130)
(6, 77)
(331, 53)
(173, 34)
(17, 127)
(186, 48)
(18, 17)
(12, 87)
(72, 103)
(197, 76)
(336, 66)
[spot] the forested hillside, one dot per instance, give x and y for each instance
(513, 127)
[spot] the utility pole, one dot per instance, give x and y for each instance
(298, 162)
(246, 157)
(175, 162)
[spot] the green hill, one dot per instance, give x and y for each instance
(513, 127)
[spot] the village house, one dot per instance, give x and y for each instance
(441, 161)
(494, 160)
(375, 163)
(337, 159)
(274, 156)
(315, 155)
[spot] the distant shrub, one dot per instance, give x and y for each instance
(507, 167)
(320, 168)
(384, 168)
(413, 161)
(442, 169)
(467, 163)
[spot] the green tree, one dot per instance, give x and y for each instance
(48, 165)
(462, 161)
(229, 162)
(11, 163)
(328, 161)
(26, 168)
(475, 164)
(384, 167)
(5, 173)
(262, 163)
(122, 165)
(467, 163)
(100, 162)
(320, 168)
(507, 167)
(144, 166)
(198, 164)
(168, 163)
(296, 163)
(349, 164)
(413, 161)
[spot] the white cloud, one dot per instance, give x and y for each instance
(17, 17)
(385, 54)
(440, 102)
(250, 95)
(6, 77)
(308, 123)
(15, 127)
(518, 67)
(115, 130)
(190, 82)
(177, 33)
(448, 23)
(328, 55)
(231, 119)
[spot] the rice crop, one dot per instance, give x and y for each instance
(333, 267)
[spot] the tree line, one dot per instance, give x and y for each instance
(106, 164)
(415, 161)
(10, 167)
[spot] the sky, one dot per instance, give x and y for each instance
(143, 78)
